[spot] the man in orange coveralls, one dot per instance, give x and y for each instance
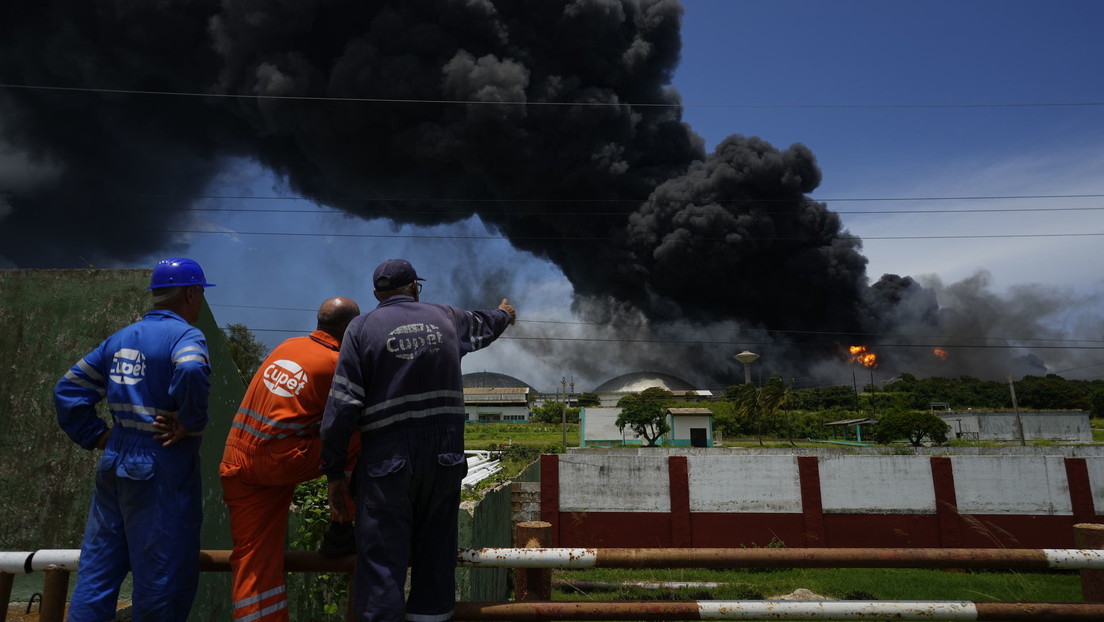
(273, 446)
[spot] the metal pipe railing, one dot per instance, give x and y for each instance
(778, 610)
(311, 561)
(1019, 559)
(533, 562)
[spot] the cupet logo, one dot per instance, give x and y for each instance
(410, 341)
(285, 378)
(128, 367)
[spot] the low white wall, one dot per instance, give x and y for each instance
(605, 481)
(1001, 425)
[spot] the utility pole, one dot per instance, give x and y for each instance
(858, 402)
(563, 413)
(1016, 409)
(873, 402)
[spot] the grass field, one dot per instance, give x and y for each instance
(539, 436)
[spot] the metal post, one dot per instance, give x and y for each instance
(6, 580)
(563, 414)
(1016, 409)
(1090, 536)
(55, 589)
(350, 608)
(533, 583)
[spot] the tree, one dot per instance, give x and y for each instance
(758, 405)
(912, 425)
(247, 352)
(645, 413)
(745, 400)
(552, 412)
(588, 399)
(774, 396)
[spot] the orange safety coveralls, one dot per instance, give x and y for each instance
(273, 446)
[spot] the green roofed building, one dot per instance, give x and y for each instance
(51, 318)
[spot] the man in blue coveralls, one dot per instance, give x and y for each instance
(398, 380)
(146, 508)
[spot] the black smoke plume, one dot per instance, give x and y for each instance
(553, 121)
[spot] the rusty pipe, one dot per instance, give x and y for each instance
(1021, 559)
(776, 610)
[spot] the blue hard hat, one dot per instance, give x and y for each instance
(177, 272)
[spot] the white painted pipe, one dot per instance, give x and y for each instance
(15, 562)
(528, 558)
(60, 559)
(836, 610)
(1064, 559)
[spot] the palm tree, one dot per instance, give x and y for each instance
(745, 398)
(774, 396)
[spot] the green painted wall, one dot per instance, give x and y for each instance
(485, 523)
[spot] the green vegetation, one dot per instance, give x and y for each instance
(318, 591)
(758, 406)
(914, 426)
(554, 412)
(534, 435)
(247, 352)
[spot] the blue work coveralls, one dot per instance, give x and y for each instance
(146, 509)
(398, 380)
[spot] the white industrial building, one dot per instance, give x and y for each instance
(491, 397)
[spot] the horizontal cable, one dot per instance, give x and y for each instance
(592, 238)
(735, 329)
(597, 104)
(522, 201)
(748, 344)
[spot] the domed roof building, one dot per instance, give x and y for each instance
(639, 380)
(492, 380)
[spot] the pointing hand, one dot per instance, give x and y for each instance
(508, 308)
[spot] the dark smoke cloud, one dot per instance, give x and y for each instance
(621, 197)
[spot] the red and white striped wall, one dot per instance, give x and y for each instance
(603, 500)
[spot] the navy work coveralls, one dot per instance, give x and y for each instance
(146, 509)
(399, 381)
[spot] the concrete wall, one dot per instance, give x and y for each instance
(609, 498)
(1058, 425)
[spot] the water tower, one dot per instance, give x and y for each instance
(747, 358)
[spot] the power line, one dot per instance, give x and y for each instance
(524, 201)
(594, 104)
(600, 238)
(944, 338)
(760, 344)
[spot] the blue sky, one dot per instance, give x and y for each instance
(920, 102)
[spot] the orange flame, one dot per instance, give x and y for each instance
(941, 353)
(859, 354)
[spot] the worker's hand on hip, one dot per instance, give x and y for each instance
(508, 308)
(341, 501)
(171, 429)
